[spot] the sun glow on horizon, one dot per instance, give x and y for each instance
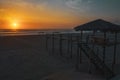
(14, 25)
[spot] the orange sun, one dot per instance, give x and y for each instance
(14, 25)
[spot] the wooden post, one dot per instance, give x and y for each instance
(81, 37)
(68, 44)
(87, 39)
(104, 48)
(93, 45)
(78, 54)
(53, 43)
(71, 47)
(47, 41)
(39, 33)
(60, 45)
(115, 49)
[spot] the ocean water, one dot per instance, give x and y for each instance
(7, 32)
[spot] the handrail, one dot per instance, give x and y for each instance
(96, 60)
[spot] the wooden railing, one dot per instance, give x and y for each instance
(81, 47)
(96, 60)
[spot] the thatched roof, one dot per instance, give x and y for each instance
(100, 25)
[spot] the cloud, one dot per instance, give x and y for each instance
(81, 5)
(23, 3)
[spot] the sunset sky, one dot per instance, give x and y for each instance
(49, 14)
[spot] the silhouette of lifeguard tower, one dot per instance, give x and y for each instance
(103, 27)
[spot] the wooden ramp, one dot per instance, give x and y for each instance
(95, 59)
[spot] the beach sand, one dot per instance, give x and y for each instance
(26, 58)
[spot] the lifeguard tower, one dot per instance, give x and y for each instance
(99, 36)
